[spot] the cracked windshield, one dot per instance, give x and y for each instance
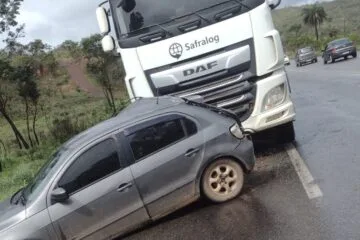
(160, 120)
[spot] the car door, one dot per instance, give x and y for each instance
(168, 152)
(103, 199)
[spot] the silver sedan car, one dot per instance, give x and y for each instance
(155, 157)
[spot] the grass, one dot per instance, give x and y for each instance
(60, 100)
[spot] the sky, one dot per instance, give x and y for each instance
(55, 21)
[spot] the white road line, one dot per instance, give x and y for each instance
(312, 189)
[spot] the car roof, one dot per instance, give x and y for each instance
(140, 109)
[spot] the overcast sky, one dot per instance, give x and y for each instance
(55, 21)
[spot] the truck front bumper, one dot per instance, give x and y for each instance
(281, 114)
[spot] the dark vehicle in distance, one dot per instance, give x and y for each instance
(341, 48)
(155, 157)
(305, 55)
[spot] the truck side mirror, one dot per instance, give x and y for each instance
(108, 43)
(128, 5)
(59, 195)
(274, 3)
(103, 20)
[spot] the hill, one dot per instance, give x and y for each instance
(344, 20)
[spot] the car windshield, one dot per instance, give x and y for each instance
(341, 42)
(43, 176)
(133, 15)
(306, 50)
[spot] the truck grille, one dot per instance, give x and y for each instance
(234, 93)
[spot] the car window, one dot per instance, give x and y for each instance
(96, 163)
(160, 135)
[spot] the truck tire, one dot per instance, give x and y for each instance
(286, 133)
(222, 180)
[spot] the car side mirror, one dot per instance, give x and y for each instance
(273, 3)
(59, 195)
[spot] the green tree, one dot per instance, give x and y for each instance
(296, 28)
(72, 48)
(6, 95)
(9, 9)
(314, 16)
(103, 66)
(29, 93)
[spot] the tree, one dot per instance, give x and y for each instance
(9, 9)
(72, 48)
(28, 91)
(314, 16)
(6, 95)
(103, 66)
(296, 28)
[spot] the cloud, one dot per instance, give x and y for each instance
(56, 21)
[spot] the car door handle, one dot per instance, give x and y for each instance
(124, 187)
(192, 152)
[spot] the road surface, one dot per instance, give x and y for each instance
(278, 201)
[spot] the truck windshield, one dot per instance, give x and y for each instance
(133, 15)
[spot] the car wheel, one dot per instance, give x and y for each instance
(286, 133)
(331, 59)
(223, 180)
(346, 57)
(325, 62)
(354, 55)
(316, 60)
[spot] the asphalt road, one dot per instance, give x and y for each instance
(274, 204)
(328, 132)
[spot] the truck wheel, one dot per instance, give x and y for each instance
(286, 133)
(222, 181)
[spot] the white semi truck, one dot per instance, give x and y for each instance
(227, 52)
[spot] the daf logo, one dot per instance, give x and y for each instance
(176, 50)
(200, 69)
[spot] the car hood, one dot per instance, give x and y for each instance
(10, 214)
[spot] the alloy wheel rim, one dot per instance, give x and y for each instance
(223, 180)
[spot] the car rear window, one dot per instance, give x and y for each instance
(306, 50)
(151, 139)
(341, 42)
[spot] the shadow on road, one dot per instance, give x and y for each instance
(265, 172)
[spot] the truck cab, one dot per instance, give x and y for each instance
(227, 52)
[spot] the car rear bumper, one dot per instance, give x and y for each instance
(245, 153)
(343, 53)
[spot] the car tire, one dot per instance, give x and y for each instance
(325, 62)
(286, 133)
(222, 180)
(354, 55)
(331, 59)
(346, 57)
(316, 60)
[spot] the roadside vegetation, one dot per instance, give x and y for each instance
(40, 106)
(317, 24)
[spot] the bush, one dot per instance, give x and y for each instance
(63, 129)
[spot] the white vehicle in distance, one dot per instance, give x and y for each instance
(229, 52)
(286, 60)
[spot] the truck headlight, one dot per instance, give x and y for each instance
(274, 97)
